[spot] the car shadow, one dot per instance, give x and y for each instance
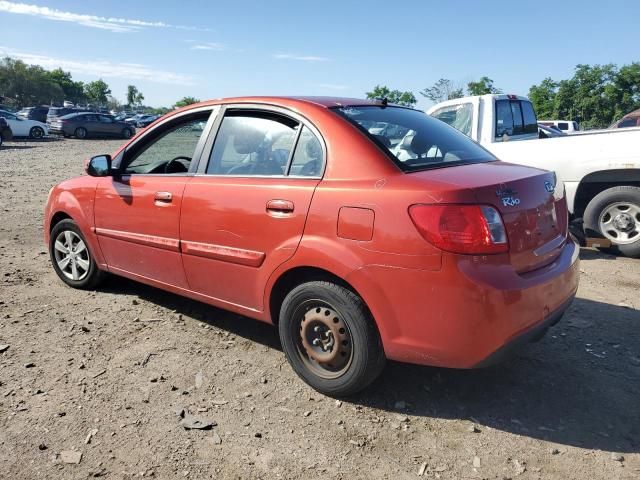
(595, 254)
(578, 386)
(15, 147)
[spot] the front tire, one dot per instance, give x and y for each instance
(126, 133)
(615, 215)
(330, 338)
(81, 133)
(36, 132)
(71, 258)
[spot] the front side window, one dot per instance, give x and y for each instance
(427, 143)
(169, 152)
(627, 122)
(253, 143)
(459, 116)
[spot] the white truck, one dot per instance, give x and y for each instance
(600, 169)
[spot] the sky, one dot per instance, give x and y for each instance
(213, 49)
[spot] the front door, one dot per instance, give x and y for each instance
(137, 211)
(244, 214)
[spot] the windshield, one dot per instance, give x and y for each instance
(412, 139)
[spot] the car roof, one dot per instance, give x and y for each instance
(327, 102)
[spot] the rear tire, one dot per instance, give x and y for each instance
(615, 215)
(126, 133)
(81, 133)
(330, 338)
(36, 132)
(71, 257)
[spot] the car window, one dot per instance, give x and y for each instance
(88, 118)
(308, 156)
(563, 125)
(170, 152)
(252, 143)
(627, 122)
(518, 123)
(529, 115)
(105, 119)
(504, 118)
(428, 143)
(575, 126)
(459, 116)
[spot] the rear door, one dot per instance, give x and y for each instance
(137, 213)
(244, 213)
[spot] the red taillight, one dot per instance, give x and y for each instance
(469, 229)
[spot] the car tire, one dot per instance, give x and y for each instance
(80, 270)
(614, 214)
(36, 132)
(81, 133)
(126, 133)
(1, 139)
(330, 338)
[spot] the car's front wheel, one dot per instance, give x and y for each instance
(36, 132)
(71, 258)
(330, 338)
(81, 133)
(126, 133)
(615, 214)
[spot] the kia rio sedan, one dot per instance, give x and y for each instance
(419, 247)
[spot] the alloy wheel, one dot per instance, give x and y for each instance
(72, 255)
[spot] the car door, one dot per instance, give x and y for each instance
(106, 126)
(137, 211)
(243, 214)
(19, 127)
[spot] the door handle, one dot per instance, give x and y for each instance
(279, 206)
(163, 197)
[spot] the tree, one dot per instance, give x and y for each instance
(73, 91)
(543, 98)
(443, 89)
(185, 101)
(97, 92)
(134, 96)
(26, 84)
(398, 97)
(482, 87)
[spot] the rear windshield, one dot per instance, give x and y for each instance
(413, 140)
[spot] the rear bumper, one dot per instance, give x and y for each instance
(471, 312)
(534, 333)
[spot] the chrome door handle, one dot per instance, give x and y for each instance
(163, 197)
(279, 206)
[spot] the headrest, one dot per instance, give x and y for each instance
(420, 144)
(247, 140)
(313, 149)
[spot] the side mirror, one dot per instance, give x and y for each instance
(99, 166)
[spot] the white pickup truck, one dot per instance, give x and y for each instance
(600, 169)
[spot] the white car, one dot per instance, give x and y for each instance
(24, 128)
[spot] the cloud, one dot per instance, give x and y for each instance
(112, 24)
(99, 68)
(301, 58)
(208, 46)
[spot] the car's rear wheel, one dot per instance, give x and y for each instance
(615, 214)
(126, 133)
(71, 258)
(330, 338)
(36, 132)
(1, 139)
(81, 133)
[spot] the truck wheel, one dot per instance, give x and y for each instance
(330, 339)
(615, 214)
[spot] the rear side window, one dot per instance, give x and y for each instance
(427, 143)
(459, 116)
(253, 144)
(627, 122)
(530, 120)
(307, 159)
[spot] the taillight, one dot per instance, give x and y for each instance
(469, 229)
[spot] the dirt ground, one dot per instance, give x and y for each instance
(103, 373)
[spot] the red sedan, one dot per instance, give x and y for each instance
(364, 231)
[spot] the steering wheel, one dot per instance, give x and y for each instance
(175, 166)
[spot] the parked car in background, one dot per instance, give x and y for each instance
(566, 126)
(85, 125)
(34, 113)
(24, 128)
(146, 120)
(299, 217)
(600, 169)
(545, 131)
(55, 112)
(629, 120)
(5, 131)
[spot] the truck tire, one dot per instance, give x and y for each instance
(615, 215)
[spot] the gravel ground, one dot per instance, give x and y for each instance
(98, 378)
